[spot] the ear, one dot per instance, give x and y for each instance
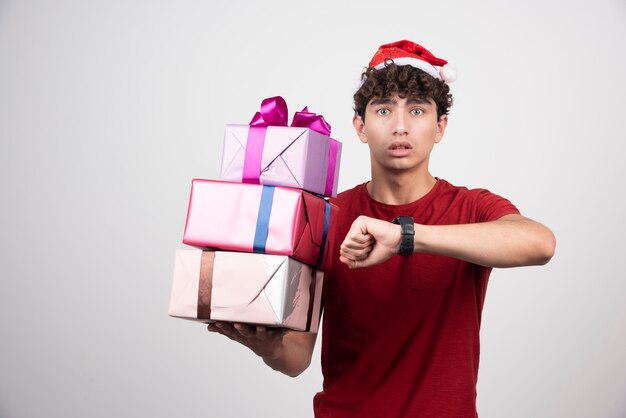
(359, 127)
(442, 123)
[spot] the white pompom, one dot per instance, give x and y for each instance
(448, 74)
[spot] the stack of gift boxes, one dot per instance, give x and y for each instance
(263, 231)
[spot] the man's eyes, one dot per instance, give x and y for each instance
(384, 111)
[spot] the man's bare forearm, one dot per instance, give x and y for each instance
(510, 241)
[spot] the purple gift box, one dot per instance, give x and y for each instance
(270, 152)
(290, 156)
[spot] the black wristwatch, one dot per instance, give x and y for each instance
(408, 233)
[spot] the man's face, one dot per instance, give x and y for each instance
(400, 132)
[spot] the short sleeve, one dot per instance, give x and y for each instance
(489, 206)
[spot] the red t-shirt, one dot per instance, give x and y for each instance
(401, 339)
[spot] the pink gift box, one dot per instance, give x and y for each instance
(249, 288)
(262, 219)
(291, 156)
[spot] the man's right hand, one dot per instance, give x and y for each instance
(284, 350)
(264, 342)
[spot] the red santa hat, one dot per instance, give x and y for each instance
(410, 53)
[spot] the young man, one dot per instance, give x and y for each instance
(404, 296)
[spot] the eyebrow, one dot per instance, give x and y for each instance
(418, 100)
(389, 100)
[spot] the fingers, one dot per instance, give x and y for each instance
(355, 255)
(358, 243)
(352, 264)
(242, 332)
(236, 331)
(224, 329)
(264, 342)
(356, 246)
(261, 332)
(358, 240)
(245, 331)
(349, 245)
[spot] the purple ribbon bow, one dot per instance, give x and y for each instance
(274, 113)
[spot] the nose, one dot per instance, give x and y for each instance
(400, 125)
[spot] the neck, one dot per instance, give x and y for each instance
(400, 189)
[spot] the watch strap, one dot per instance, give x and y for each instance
(407, 228)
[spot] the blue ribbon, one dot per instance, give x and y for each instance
(263, 219)
(263, 223)
(325, 233)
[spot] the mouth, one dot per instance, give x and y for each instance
(400, 146)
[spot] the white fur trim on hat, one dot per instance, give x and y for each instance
(414, 62)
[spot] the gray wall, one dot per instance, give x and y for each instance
(108, 109)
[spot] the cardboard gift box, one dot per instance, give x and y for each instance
(260, 289)
(281, 156)
(261, 219)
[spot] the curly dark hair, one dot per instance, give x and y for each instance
(406, 81)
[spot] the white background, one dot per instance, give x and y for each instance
(108, 109)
